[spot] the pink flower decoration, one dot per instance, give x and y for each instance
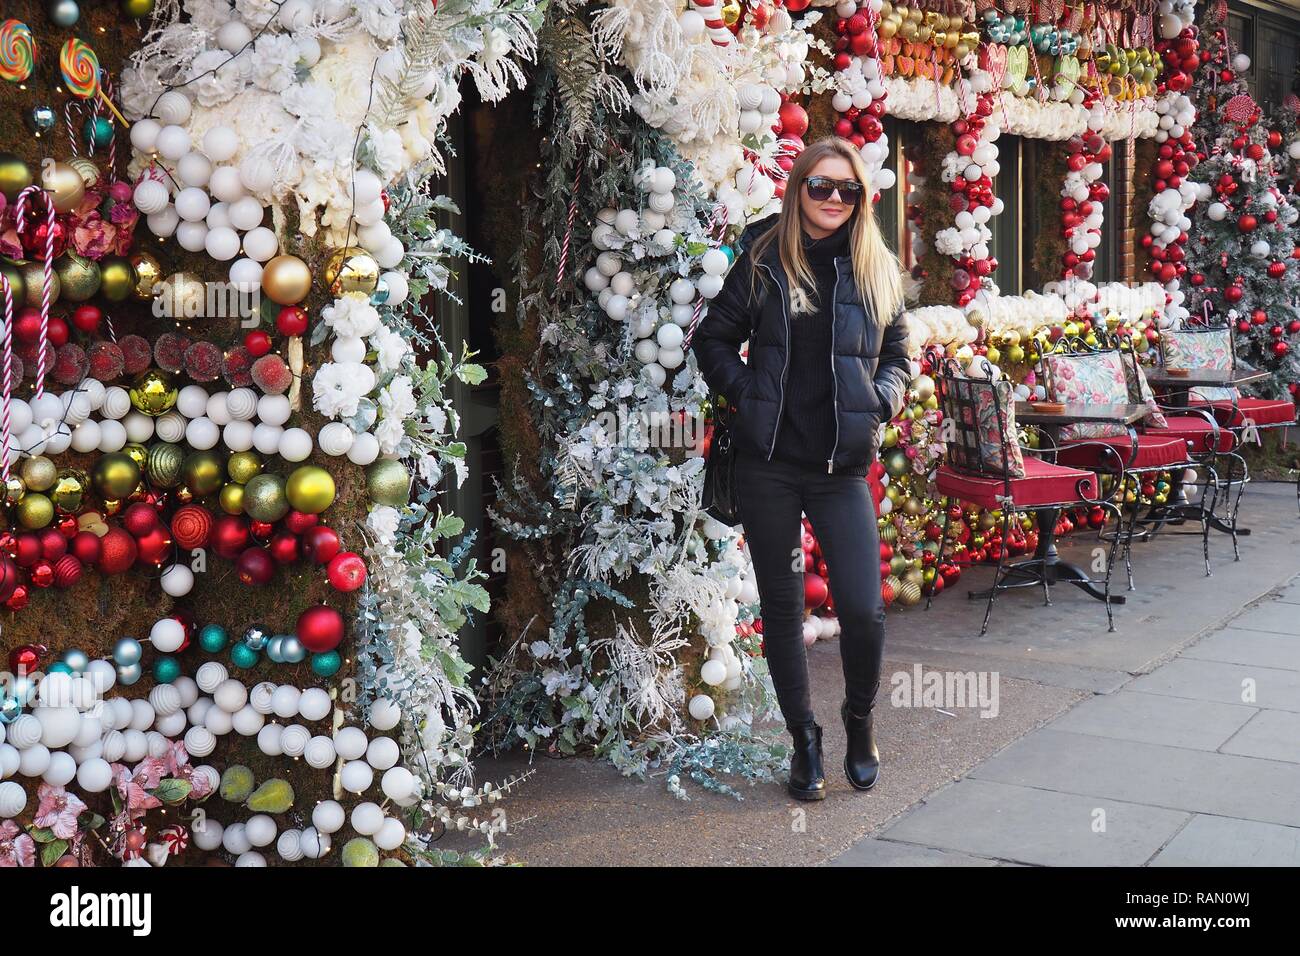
(134, 789)
(16, 847)
(58, 810)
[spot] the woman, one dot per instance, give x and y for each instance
(817, 295)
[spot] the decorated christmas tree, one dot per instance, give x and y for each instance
(1241, 257)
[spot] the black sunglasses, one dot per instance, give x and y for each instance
(820, 189)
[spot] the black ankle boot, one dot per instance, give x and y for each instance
(807, 780)
(861, 758)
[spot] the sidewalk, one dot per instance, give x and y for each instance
(1146, 725)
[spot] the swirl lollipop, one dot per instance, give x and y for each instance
(80, 68)
(17, 51)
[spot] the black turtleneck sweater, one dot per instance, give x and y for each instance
(806, 433)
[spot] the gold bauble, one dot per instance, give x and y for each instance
(351, 270)
(137, 8)
(115, 476)
(117, 278)
(64, 186)
(265, 499)
(164, 464)
(137, 453)
(39, 473)
(86, 169)
(14, 273)
(33, 280)
(204, 472)
(14, 489)
(243, 466)
(153, 393)
(310, 489)
(231, 498)
(69, 491)
(286, 280)
(78, 276)
(34, 511)
(15, 176)
(148, 274)
(924, 386)
(183, 297)
(731, 13)
(388, 482)
(908, 594)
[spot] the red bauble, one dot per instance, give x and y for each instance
(1259, 317)
(67, 571)
(284, 547)
(87, 318)
(229, 536)
(292, 320)
(191, 526)
(154, 547)
(1274, 139)
(118, 550)
(18, 599)
(814, 591)
(53, 544)
(1280, 348)
(85, 546)
(27, 327)
(320, 628)
(298, 521)
(1276, 270)
(261, 530)
(346, 571)
(1233, 293)
(27, 658)
(8, 581)
(140, 519)
(794, 119)
(258, 343)
(255, 567)
(320, 543)
(1247, 223)
(1255, 151)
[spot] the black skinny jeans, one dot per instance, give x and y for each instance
(773, 495)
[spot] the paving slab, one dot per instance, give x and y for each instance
(874, 852)
(1277, 617)
(1043, 827)
(1270, 735)
(1250, 684)
(1236, 645)
(1172, 777)
(1220, 841)
(1156, 719)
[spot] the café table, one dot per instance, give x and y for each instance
(1046, 567)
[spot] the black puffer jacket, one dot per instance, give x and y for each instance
(869, 364)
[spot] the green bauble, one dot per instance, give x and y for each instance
(137, 8)
(213, 638)
(97, 131)
(39, 473)
(35, 511)
(243, 466)
(203, 472)
(265, 498)
(895, 462)
(69, 490)
(166, 669)
(15, 176)
(117, 278)
(164, 464)
(327, 664)
(241, 655)
(359, 851)
(78, 275)
(11, 271)
(115, 476)
(388, 482)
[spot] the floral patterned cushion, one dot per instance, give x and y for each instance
(1140, 394)
(1186, 349)
(1088, 380)
(980, 406)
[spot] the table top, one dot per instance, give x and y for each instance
(1203, 377)
(1080, 413)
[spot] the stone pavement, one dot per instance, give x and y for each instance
(1195, 762)
(1122, 748)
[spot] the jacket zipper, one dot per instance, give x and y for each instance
(786, 365)
(835, 385)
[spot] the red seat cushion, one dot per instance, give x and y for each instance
(1043, 484)
(1196, 432)
(1261, 411)
(1154, 451)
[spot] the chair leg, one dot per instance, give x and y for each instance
(943, 544)
(1042, 575)
(997, 574)
(1236, 459)
(1129, 534)
(1110, 564)
(1211, 482)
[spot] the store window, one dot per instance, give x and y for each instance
(1270, 35)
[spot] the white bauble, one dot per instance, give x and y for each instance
(58, 725)
(177, 580)
(328, 816)
(383, 753)
(320, 752)
(173, 725)
(219, 721)
(260, 244)
(260, 830)
(350, 742)
(238, 436)
(165, 699)
(230, 695)
(235, 840)
(284, 702)
(266, 438)
(295, 444)
(210, 676)
(199, 741)
(257, 174)
(356, 776)
(94, 775)
(192, 236)
(314, 843)
(170, 427)
(192, 204)
(61, 770)
(701, 707)
(167, 635)
(144, 135)
(173, 142)
(247, 722)
(289, 846)
(398, 287)
(335, 438)
(273, 409)
(384, 714)
(367, 818)
(34, 761)
(294, 740)
(713, 673)
(220, 143)
(398, 783)
(314, 704)
(268, 740)
(207, 833)
(364, 450)
(13, 799)
(150, 197)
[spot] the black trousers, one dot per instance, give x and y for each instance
(773, 496)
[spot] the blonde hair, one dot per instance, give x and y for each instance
(876, 271)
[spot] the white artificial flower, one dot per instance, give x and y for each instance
(216, 77)
(380, 18)
(388, 151)
(397, 398)
(338, 387)
(274, 63)
(390, 348)
(389, 432)
(382, 523)
(257, 13)
(207, 14)
(351, 315)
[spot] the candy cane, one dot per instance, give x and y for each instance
(711, 10)
(72, 128)
(47, 286)
(107, 87)
(8, 335)
(568, 231)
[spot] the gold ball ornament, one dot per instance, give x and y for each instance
(731, 13)
(164, 464)
(204, 472)
(115, 476)
(244, 466)
(138, 454)
(64, 185)
(351, 269)
(14, 489)
(148, 275)
(86, 169)
(184, 297)
(137, 8)
(79, 277)
(286, 280)
(34, 511)
(39, 473)
(231, 498)
(153, 393)
(895, 461)
(908, 593)
(14, 273)
(117, 278)
(310, 489)
(15, 176)
(265, 498)
(33, 279)
(388, 482)
(69, 491)
(924, 387)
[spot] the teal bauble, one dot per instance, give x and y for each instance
(166, 669)
(77, 659)
(241, 655)
(58, 667)
(10, 710)
(97, 131)
(382, 292)
(213, 638)
(128, 674)
(327, 664)
(273, 649)
(127, 651)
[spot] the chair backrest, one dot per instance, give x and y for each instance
(1201, 345)
(981, 439)
(1086, 371)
